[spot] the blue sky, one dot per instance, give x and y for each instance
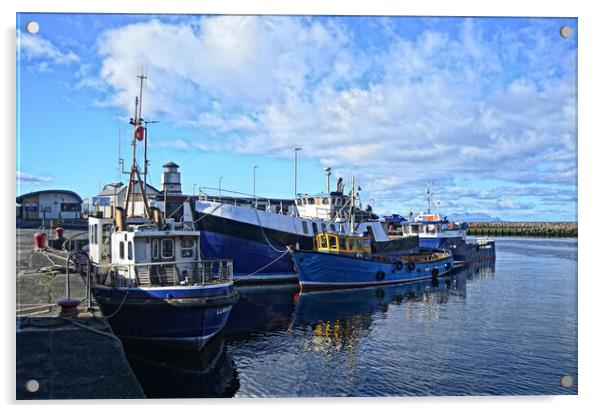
(485, 108)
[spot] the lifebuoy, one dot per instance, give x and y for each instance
(380, 276)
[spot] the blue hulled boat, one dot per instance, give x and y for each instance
(148, 275)
(439, 233)
(349, 260)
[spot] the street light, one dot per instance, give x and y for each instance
(254, 169)
(193, 189)
(297, 149)
(220, 188)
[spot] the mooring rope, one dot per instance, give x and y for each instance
(265, 235)
(267, 265)
(120, 305)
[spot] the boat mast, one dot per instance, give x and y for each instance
(429, 195)
(134, 171)
(352, 213)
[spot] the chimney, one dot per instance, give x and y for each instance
(170, 180)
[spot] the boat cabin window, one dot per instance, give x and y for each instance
(332, 229)
(304, 225)
(344, 244)
(298, 202)
(332, 242)
(311, 201)
(106, 233)
(415, 229)
(323, 227)
(130, 252)
(314, 226)
(155, 249)
(323, 243)
(121, 250)
(167, 248)
(358, 244)
(187, 248)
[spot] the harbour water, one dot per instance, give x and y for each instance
(503, 329)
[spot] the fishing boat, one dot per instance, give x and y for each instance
(147, 273)
(256, 234)
(349, 260)
(436, 232)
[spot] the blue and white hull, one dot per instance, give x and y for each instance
(325, 270)
(176, 317)
(462, 250)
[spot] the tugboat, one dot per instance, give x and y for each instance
(349, 260)
(148, 277)
(439, 233)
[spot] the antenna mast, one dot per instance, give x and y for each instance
(429, 195)
(134, 171)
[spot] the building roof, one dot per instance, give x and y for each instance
(116, 188)
(49, 191)
(171, 165)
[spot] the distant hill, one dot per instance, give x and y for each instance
(472, 217)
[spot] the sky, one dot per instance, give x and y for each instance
(484, 108)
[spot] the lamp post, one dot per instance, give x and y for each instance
(254, 169)
(220, 188)
(193, 189)
(297, 149)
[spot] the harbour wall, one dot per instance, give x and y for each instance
(523, 229)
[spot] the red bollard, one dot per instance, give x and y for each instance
(39, 240)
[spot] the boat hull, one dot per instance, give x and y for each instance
(462, 250)
(174, 317)
(324, 270)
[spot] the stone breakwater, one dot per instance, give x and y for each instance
(523, 229)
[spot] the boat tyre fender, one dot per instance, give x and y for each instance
(435, 273)
(380, 276)
(399, 265)
(411, 266)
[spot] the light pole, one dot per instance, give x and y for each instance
(297, 149)
(193, 189)
(254, 169)
(220, 188)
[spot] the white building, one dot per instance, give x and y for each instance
(49, 204)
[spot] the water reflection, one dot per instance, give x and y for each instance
(280, 319)
(164, 373)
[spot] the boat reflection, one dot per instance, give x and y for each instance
(209, 372)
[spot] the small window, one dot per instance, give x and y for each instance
(155, 248)
(332, 229)
(332, 242)
(323, 242)
(106, 233)
(130, 252)
(187, 248)
(323, 227)
(358, 244)
(314, 227)
(344, 244)
(311, 201)
(304, 225)
(167, 248)
(121, 250)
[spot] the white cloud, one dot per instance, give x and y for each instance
(481, 104)
(40, 52)
(25, 177)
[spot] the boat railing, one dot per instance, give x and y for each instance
(234, 197)
(167, 273)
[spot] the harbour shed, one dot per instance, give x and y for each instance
(48, 204)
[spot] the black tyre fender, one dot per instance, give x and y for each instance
(380, 275)
(411, 266)
(399, 265)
